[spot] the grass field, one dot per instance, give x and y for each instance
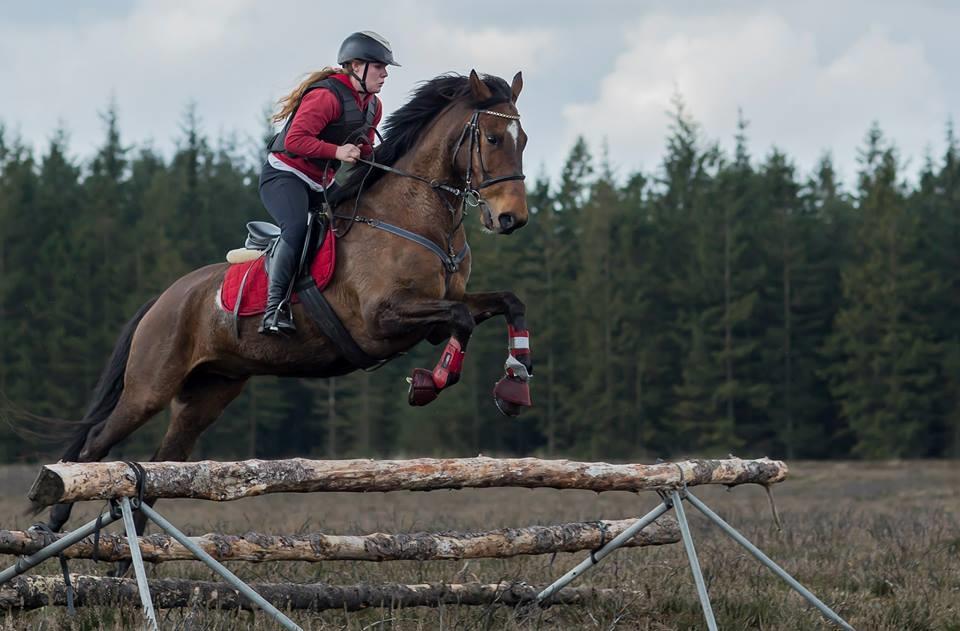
(878, 542)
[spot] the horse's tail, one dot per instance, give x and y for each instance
(107, 392)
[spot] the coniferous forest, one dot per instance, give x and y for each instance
(718, 304)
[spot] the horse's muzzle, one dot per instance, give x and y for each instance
(507, 222)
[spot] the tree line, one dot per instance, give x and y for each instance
(718, 304)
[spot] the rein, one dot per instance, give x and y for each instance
(469, 194)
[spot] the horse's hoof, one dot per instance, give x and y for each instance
(422, 389)
(512, 396)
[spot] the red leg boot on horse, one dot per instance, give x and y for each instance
(512, 392)
(426, 385)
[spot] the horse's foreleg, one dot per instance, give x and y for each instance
(512, 392)
(425, 385)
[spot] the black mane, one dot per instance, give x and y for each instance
(402, 128)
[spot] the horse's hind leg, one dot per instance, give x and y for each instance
(148, 387)
(136, 406)
(198, 404)
(141, 400)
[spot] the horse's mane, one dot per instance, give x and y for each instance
(403, 127)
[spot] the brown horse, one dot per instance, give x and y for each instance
(457, 144)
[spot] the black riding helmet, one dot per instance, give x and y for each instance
(368, 46)
(365, 46)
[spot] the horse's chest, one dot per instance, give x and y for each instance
(427, 277)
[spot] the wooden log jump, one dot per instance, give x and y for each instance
(418, 546)
(33, 592)
(222, 481)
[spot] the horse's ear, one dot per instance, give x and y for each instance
(516, 86)
(479, 89)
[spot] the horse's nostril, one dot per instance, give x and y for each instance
(506, 221)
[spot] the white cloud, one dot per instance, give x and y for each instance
(776, 73)
(153, 61)
(490, 50)
(802, 85)
(230, 57)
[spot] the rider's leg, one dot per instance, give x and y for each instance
(287, 199)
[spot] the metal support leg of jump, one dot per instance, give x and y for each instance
(55, 548)
(597, 556)
(675, 501)
(137, 560)
(760, 556)
(694, 562)
(218, 567)
(126, 512)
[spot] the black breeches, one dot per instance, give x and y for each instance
(287, 198)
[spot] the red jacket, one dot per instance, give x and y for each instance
(317, 109)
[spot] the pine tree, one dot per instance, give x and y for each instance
(634, 338)
(19, 186)
(886, 358)
(684, 179)
(746, 389)
(158, 258)
(789, 305)
(104, 249)
(560, 329)
(193, 216)
(48, 341)
(937, 203)
(830, 223)
(721, 397)
(602, 310)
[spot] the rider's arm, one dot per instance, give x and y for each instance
(317, 109)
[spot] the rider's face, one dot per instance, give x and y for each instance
(376, 74)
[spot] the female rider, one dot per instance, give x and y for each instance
(331, 118)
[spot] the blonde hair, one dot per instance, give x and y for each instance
(290, 102)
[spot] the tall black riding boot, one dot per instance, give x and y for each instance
(283, 268)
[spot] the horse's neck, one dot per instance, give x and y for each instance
(415, 205)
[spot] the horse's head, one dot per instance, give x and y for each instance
(463, 135)
(489, 153)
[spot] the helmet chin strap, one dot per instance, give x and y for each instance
(362, 80)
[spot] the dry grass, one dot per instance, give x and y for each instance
(880, 543)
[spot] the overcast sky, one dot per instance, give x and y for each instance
(809, 77)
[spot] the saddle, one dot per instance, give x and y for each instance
(244, 288)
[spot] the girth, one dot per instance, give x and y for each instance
(326, 318)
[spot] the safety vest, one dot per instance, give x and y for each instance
(353, 124)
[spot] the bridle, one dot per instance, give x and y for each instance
(473, 131)
(469, 194)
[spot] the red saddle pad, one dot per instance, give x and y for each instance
(254, 297)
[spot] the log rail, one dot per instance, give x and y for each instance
(223, 481)
(313, 547)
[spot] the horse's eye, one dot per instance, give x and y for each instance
(493, 140)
